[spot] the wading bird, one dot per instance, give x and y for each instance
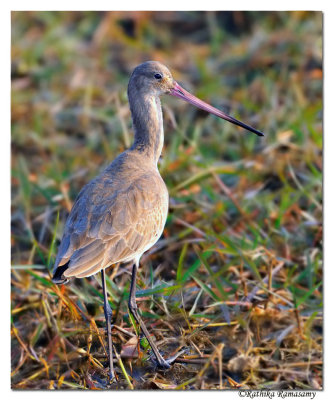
(122, 212)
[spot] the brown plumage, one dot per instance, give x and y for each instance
(121, 213)
(116, 218)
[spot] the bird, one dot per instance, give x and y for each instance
(121, 213)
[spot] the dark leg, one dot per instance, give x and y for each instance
(108, 317)
(134, 310)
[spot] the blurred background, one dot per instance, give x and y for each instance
(236, 278)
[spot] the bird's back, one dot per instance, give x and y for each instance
(115, 218)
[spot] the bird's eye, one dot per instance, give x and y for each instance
(158, 76)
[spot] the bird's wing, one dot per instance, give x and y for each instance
(108, 226)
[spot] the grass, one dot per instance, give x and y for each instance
(236, 279)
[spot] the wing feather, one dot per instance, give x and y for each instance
(107, 225)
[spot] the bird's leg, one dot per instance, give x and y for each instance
(108, 317)
(134, 310)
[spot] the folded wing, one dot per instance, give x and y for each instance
(107, 225)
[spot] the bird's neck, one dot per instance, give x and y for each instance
(148, 125)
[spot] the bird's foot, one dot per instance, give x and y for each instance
(161, 363)
(111, 377)
(166, 364)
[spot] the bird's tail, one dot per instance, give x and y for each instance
(58, 277)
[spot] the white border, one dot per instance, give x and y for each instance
(5, 8)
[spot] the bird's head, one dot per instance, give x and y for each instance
(154, 78)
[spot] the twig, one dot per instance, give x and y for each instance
(265, 280)
(123, 330)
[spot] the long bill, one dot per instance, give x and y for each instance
(178, 91)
